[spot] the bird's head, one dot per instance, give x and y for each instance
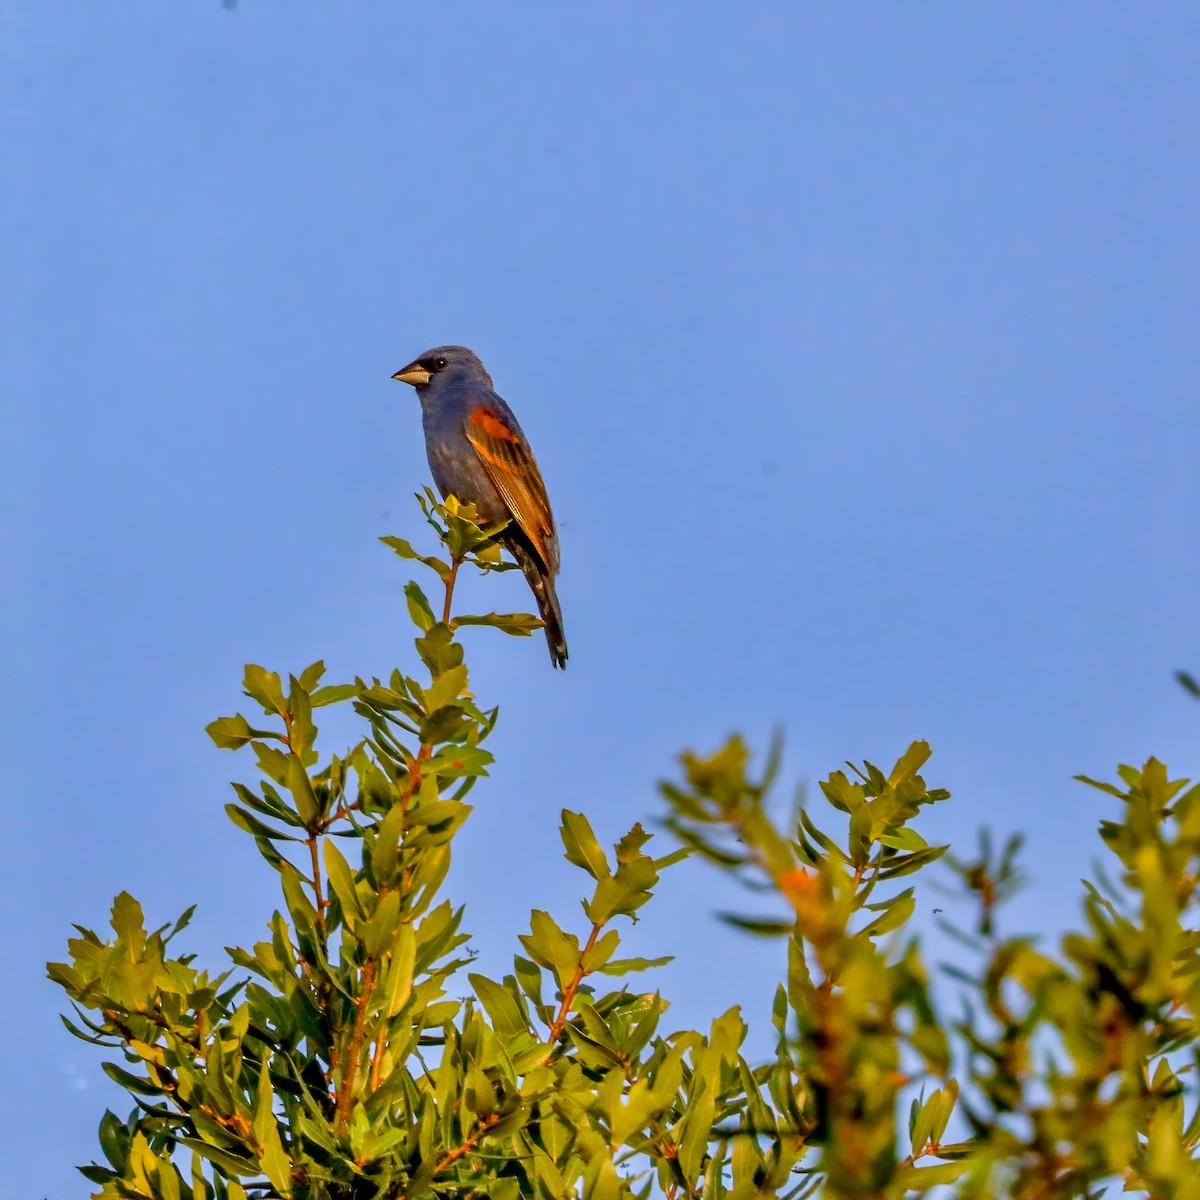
(453, 364)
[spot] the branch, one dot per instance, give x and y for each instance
(569, 991)
(452, 1156)
(322, 903)
(414, 775)
(455, 563)
(346, 1091)
(377, 1058)
(165, 1078)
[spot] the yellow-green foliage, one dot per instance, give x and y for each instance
(329, 1060)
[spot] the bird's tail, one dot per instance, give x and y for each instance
(541, 582)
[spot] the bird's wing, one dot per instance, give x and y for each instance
(510, 466)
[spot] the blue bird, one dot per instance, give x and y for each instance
(478, 452)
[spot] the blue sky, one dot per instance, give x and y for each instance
(858, 345)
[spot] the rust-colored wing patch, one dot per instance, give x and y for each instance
(511, 467)
(492, 425)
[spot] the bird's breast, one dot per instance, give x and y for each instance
(455, 465)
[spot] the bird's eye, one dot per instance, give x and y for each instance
(438, 363)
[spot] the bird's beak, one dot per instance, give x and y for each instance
(414, 373)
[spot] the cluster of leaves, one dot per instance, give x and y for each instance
(330, 1060)
(1077, 1062)
(849, 1007)
(1076, 1071)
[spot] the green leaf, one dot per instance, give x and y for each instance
(251, 824)
(583, 850)
(299, 784)
(94, 1174)
(694, 1129)
(61, 977)
(380, 932)
(229, 733)
(1188, 682)
(137, 1084)
(902, 838)
(505, 1013)
(269, 804)
(841, 793)
(437, 1015)
(385, 847)
(514, 624)
(465, 533)
(695, 844)
(669, 860)
(341, 880)
(435, 814)
(236, 1164)
(438, 650)
(276, 1165)
(604, 1183)
(630, 846)
(626, 966)
(267, 849)
(405, 550)
(334, 693)
(611, 895)
(1101, 786)
(129, 924)
(303, 915)
(906, 864)
(860, 836)
(928, 1122)
(946, 1098)
(264, 686)
(807, 824)
(550, 947)
(529, 978)
(909, 763)
(895, 914)
(311, 675)
(302, 733)
(595, 1049)
(443, 725)
(921, 1179)
(602, 950)
(400, 972)
(418, 608)
(272, 763)
(460, 761)
(446, 687)
(763, 926)
(487, 558)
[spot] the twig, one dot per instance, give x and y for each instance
(346, 1092)
(452, 1156)
(377, 1058)
(455, 563)
(322, 903)
(569, 991)
(165, 1078)
(414, 775)
(381, 1041)
(342, 811)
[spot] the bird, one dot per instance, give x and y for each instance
(478, 452)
